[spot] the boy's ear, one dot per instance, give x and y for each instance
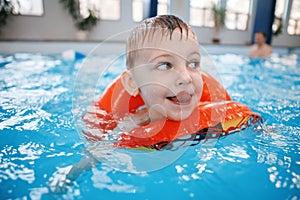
(129, 84)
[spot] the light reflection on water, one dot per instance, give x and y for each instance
(38, 138)
(276, 86)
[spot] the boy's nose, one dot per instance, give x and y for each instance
(184, 77)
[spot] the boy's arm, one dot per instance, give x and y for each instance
(64, 178)
(83, 165)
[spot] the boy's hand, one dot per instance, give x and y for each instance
(142, 117)
(132, 121)
(58, 182)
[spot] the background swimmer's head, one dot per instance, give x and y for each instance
(260, 37)
(166, 24)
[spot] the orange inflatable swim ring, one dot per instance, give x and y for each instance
(216, 115)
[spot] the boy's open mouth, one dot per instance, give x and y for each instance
(181, 98)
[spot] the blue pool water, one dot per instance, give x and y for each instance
(39, 138)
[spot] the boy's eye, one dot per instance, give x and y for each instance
(194, 65)
(164, 66)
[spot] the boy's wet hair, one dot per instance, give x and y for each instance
(263, 33)
(166, 24)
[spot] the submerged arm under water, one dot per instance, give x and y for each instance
(65, 177)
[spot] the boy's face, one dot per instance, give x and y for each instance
(259, 38)
(167, 73)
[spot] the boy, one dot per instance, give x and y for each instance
(162, 96)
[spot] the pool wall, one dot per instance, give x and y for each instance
(58, 26)
(9, 47)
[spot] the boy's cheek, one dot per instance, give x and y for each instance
(153, 81)
(199, 87)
